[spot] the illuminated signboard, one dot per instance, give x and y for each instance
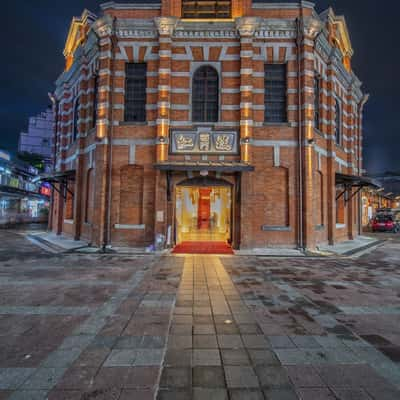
(45, 190)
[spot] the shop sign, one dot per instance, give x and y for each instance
(204, 142)
(45, 190)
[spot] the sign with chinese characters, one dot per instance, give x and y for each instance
(204, 142)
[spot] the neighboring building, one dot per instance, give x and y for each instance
(21, 199)
(39, 138)
(387, 196)
(234, 122)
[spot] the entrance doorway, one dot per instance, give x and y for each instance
(203, 213)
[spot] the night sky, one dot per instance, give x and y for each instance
(34, 32)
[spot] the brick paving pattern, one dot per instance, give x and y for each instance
(198, 327)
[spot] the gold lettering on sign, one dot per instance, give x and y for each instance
(184, 142)
(204, 139)
(223, 143)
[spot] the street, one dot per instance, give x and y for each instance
(92, 326)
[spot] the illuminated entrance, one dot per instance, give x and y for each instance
(203, 213)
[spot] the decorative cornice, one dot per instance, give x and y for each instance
(276, 29)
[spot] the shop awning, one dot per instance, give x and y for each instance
(356, 181)
(217, 166)
(57, 177)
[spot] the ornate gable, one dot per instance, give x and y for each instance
(77, 35)
(339, 35)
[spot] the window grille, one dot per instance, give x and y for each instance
(205, 95)
(135, 92)
(206, 9)
(275, 93)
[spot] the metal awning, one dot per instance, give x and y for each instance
(60, 177)
(352, 181)
(356, 181)
(57, 177)
(217, 166)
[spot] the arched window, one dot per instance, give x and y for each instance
(317, 99)
(338, 122)
(76, 121)
(205, 95)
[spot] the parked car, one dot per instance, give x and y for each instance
(385, 223)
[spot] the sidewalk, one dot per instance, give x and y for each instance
(350, 247)
(56, 243)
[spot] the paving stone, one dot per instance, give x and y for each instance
(148, 357)
(235, 357)
(43, 378)
(109, 377)
(293, 356)
(247, 394)
(206, 357)
(280, 394)
(180, 329)
(12, 378)
(61, 358)
(316, 394)
(180, 342)
(379, 393)
(230, 342)
(272, 376)
(209, 394)
(77, 379)
(29, 395)
(165, 394)
(305, 342)
(129, 394)
(175, 378)
(204, 329)
(140, 377)
(281, 342)
(121, 358)
(263, 357)
(255, 342)
(227, 329)
(351, 394)
(205, 342)
(249, 329)
(208, 377)
(57, 394)
(92, 358)
(240, 377)
(128, 342)
(178, 358)
(304, 376)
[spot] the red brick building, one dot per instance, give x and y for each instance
(209, 120)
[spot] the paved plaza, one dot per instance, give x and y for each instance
(130, 327)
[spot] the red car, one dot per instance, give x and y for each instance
(384, 223)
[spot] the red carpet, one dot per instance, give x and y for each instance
(203, 248)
